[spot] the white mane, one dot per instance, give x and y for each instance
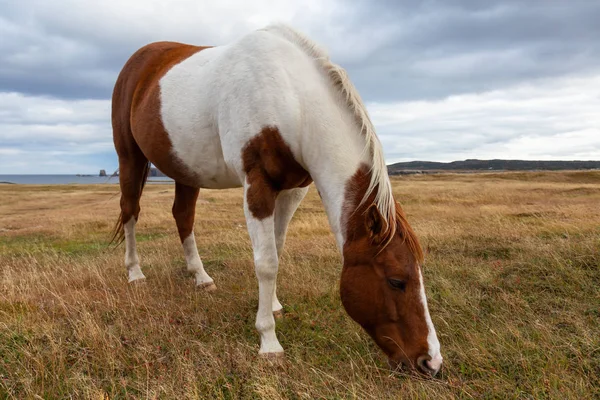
(384, 199)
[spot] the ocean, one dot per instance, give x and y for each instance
(70, 179)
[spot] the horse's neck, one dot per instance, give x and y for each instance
(336, 155)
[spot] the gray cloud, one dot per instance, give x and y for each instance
(393, 50)
(444, 80)
(441, 48)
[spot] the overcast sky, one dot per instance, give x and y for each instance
(443, 80)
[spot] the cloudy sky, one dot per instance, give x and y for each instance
(443, 80)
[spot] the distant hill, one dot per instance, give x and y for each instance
(491, 165)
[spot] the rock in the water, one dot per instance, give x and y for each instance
(102, 172)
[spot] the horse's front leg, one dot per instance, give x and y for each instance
(259, 211)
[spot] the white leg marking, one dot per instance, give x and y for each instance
(194, 263)
(285, 206)
(132, 261)
(262, 235)
(432, 341)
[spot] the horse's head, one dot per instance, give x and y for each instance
(382, 289)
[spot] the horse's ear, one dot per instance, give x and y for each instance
(375, 224)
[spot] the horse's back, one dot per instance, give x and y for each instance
(135, 103)
(214, 102)
(263, 84)
(142, 70)
(193, 109)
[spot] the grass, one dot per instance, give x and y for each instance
(512, 274)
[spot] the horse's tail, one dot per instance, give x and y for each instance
(118, 231)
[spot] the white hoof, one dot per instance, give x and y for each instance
(270, 347)
(135, 274)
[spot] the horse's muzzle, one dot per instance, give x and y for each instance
(425, 365)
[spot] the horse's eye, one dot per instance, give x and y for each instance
(397, 284)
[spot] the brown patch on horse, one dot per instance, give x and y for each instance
(393, 317)
(136, 103)
(184, 209)
(270, 167)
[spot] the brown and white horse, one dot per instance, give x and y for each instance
(271, 113)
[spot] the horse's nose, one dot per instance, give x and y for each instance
(429, 365)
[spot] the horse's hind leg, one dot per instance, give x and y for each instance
(133, 171)
(285, 206)
(184, 211)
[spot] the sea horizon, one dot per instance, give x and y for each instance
(69, 179)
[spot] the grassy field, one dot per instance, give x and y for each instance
(512, 274)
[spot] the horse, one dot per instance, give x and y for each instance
(271, 113)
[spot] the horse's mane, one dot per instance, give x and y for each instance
(384, 200)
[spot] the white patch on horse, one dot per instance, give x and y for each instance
(432, 340)
(194, 263)
(188, 109)
(132, 261)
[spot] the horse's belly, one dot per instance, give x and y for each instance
(201, 154)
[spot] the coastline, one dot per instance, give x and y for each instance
(80, 179)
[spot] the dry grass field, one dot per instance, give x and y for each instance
(512, 273)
